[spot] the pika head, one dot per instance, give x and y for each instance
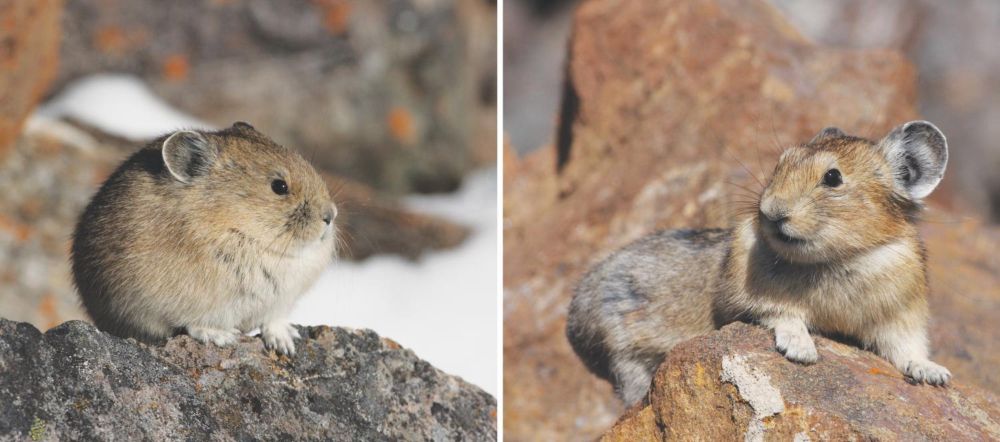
(240, 180)
(840, 195)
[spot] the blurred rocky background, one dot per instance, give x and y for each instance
(663, 114)
(394, 94)
(951, 44)
(386, 97)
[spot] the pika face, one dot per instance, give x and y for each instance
(248, 184)
(838, 195)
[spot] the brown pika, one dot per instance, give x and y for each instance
(833, 248)
(215, 233)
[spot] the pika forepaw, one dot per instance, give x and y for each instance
(925, 371)
(280, 337)
(216, 336)
(797, 347)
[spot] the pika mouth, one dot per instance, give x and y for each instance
(776, 233)
(786, 239)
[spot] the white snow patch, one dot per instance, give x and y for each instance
(442, 307)
(755, 387)
(120, 105)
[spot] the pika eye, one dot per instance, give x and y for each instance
(280, 187)
(832, 178)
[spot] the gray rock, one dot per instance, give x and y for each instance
(77, 383)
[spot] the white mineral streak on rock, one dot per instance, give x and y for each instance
(755, 388)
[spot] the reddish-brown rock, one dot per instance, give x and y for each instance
(29, 56)
(665, 100)
(733, 385)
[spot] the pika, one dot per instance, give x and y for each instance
(832, 247)
(214, 233)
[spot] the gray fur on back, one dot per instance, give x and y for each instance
(635, 305)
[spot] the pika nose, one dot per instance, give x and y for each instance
(776, 216)
(774, 210)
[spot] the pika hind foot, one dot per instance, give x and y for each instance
(792, 339)
(216, 336)
(280, 337)
(923, 370)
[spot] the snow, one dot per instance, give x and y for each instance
(118, 104)
(443, 307)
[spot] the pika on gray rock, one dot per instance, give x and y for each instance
(832, 248)
(215, 233)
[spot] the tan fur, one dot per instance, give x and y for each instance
(217, 254)
(842, 260)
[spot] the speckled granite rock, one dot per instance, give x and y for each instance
(75, 382)
(732, 385)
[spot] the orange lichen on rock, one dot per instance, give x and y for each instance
(400, 123)
(336, 15)
(19, 231)
(110, 39)
(47, 310)
(176, 67)
(392, 345)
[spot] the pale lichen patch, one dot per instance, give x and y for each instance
(756, 389)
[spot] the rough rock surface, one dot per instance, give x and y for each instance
(29, 55)
(53, 169)
(74, 382)
(732, 385)
(388, 93)
(663, 102)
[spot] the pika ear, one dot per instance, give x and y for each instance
(242, 125)
(918, 154)
(187, 154)
(828, 132)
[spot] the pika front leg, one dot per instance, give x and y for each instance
(904, 344)
(280, 336)
(216, 336)
(791, 338)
